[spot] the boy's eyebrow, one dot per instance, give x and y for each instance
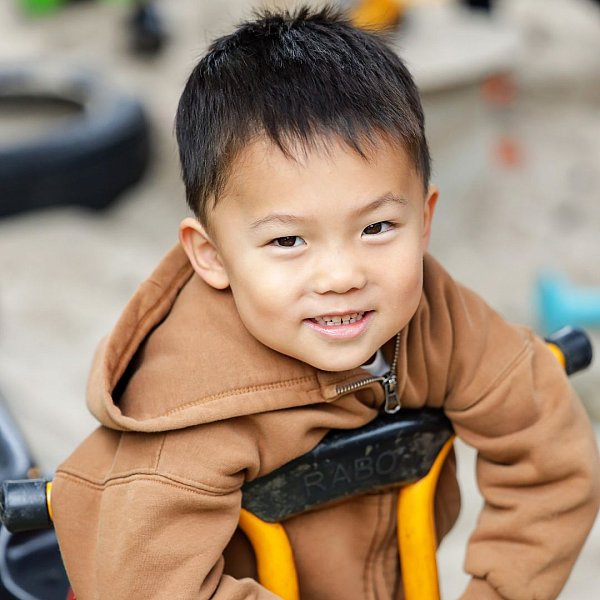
(383, 200)
(285, 219)
(279, 218)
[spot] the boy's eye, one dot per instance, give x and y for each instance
(289, 241)
(378, 227)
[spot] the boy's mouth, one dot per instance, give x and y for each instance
(333, 320)
(343, 326)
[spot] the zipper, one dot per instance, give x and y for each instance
(388, 381)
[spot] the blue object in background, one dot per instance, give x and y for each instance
(563, 303)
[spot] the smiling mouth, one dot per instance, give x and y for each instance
(333, 320)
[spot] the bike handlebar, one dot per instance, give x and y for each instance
(25, 504)
(575, 347)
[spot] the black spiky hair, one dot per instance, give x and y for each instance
(299, 78)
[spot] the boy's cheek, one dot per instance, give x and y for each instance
(265, 291)
(264, 276)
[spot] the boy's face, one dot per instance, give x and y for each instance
(324, 254)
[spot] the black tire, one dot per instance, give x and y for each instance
(89, 161)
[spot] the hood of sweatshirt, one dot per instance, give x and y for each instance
(180, 356)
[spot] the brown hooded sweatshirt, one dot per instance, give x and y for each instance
(191, 406)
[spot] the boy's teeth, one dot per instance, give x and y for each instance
(328, 321)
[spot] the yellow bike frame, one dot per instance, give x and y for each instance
(417, 542)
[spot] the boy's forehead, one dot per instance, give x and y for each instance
(266, 180)
(262, 162)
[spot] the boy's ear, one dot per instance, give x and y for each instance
(202, 253)
(428, 211)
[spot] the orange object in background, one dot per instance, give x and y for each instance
(377, 14)
(508, 152)
(500, 92)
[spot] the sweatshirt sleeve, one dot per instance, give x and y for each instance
(145, 533)
(537, 470)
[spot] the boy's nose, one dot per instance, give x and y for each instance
(338, 272)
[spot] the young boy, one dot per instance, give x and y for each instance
(305, 163)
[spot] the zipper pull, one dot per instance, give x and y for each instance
(392, 403)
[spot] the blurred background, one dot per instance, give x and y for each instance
(90, 196)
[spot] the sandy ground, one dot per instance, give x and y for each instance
(66, 273)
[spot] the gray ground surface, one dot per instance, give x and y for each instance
(66, 273)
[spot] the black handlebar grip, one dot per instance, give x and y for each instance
(24, 505)
(575, 347)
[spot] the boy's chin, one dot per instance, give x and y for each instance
(339, 363)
